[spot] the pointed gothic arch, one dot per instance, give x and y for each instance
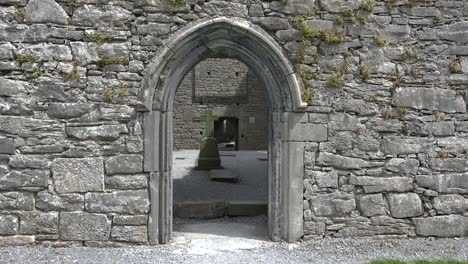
(236, 38)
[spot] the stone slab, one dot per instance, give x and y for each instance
(246, 208)
(442, 226)
(199, 210)
(83, 226)
(224, 175)
(78, 175)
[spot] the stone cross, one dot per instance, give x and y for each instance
(209, 159)
(209, 123)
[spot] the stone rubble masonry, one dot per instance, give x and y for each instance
(382, 144)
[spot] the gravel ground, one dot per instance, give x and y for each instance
(317, 251)
(195, 185)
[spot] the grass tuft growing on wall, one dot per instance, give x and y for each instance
(26, 58)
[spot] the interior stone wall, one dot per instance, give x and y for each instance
(385, 133)
(229, 89)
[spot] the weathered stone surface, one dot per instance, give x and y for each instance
(114, 50)
(7, 146)
(84, 226)
(450, 204)
(7, 14)
(359, 107)
(126, 202)
(309, 132)
(14, 241)
(424, 11)
(12, 87)
(6, 51)
(16, 201)
(137, 234)
(130, 220)
(116, 112)
(456, 32)
(455, 145)
(104, 132)
(68, 110)
(45, 11)
(256, 10)
(326, 179)
(377, 225)
(52, 89)
(444, 100)
(314, 228)
(288, 35)
(395, 32)
(106, 16)
(47, 52)
(444, 183)
(372, 205)
(8, 224)
(442, 226)
(439, 128)
(403, 167)
(343, 122)
(24, 179)
(134, 144)
(404, 205)
(78, 175)
(126, 182)
(29, 127)
(124, 164)
(340, 6)
(155, 29)
(85, 52)
(374, 185)
(272, 23)
(29, 161)
(222, 8)
(293, 7)
(200, 209)
(451, 165)
(366, 143)
(23, 33)
(333, 204)
(341, 162)
(59, 202)
(399, 146)
(34, 222)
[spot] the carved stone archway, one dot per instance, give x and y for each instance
(236, 38)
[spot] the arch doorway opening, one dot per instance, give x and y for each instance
(220, 175)
(241, 40)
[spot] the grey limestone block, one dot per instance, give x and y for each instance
(125, 202)
(82, 226)
(404, 205)
(8, 224)
(442, 226)
(124, 164)
(137, 234)
(45, 11)
(78, 175)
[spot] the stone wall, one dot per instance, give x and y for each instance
(386, 130)
(229, 89)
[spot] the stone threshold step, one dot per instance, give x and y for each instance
(216, 209)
